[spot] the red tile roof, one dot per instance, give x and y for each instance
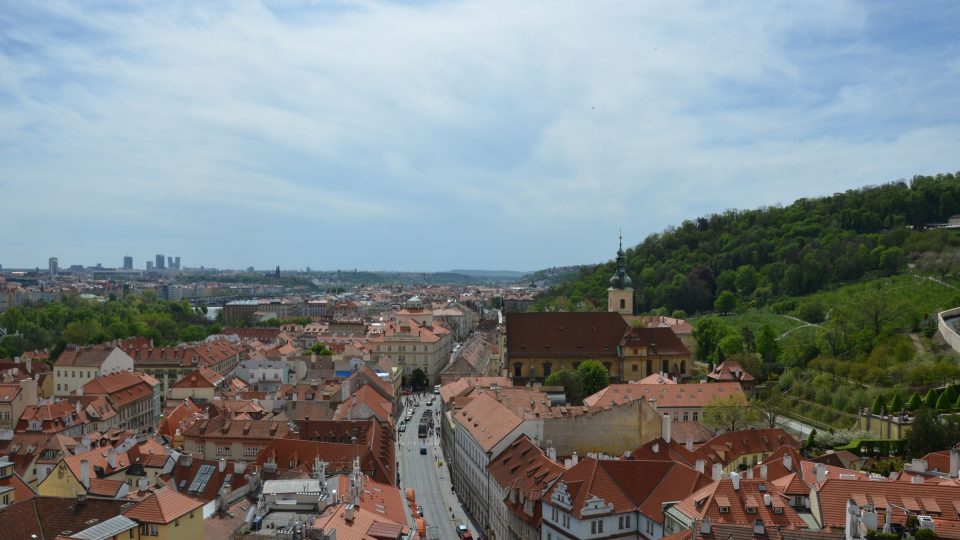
(565, 334)
(687, 395)
(487, 421)
(200, 378)
(524, 467)
(88, 356)
(742, 506)
(628, 485)
(939, 501)
(162, 507)
(730, 370)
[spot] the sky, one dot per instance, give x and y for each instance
(432, 135)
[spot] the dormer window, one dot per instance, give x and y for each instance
(751, 509)
(777, 509)
(724, 509)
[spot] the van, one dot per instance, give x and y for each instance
(436, 390)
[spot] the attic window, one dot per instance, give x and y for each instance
(724, 509)
(777, 509)
(751, 509)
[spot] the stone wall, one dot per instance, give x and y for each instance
(612, 431)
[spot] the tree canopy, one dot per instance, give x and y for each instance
(767, 253)
(729, 413)
(594, 376)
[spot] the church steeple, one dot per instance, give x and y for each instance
(620, 293)
(620, 279)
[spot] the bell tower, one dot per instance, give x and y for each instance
(620, 293)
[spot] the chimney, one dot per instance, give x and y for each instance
(869, 517)
(749, 474)
(954, 462)
(767, 499)
(700, 465)
(143, 484)
(112, 457)
(758, 527)
(735, 479)
(705, 526)
(665, 428)
(348, 514)
(222, 466)
(656, 448)
(85, 473)
(689, 443)
(552, 454)
(239, 467)
(717, 471)
(79, 392)
(916, 480)
(574, 459)
(186, 459)
(788, 462)
(763, 473)
(821, 472)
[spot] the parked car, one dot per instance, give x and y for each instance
(463, 532)
(423, 450)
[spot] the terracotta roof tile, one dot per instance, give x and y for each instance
(163, 506)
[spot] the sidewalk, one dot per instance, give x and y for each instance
(457, 515)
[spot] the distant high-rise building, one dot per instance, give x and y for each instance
(149, 265)
(161, 264)
(176, 263)
(53, 264)
(128, 263)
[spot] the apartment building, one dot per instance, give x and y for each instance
(76, 366)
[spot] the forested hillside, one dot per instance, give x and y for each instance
(755, 256)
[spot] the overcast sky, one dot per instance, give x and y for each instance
(416, 135)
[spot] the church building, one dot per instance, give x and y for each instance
(538, 344)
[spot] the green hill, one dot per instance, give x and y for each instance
(767, 254)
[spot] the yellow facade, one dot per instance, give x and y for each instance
(635, 366)
(183, 528)
(60, 483)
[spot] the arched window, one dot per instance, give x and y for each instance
(518, 370)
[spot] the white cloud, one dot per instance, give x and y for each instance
(508, 123)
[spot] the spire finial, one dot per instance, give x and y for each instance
(621, 238)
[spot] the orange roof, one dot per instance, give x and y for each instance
(688, 395)
(162, 506)
(487, 421)
(199, 378)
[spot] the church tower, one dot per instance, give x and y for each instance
(620, 293)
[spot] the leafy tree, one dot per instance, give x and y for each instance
(766, 344)
(930, 400)
(726, 302)
(944, 403)
(925, 534)
(928, 433)
(771, 407)
(730, 413)
(570, 381)
(731, 345)
(594, 376)
(896, 404)
(812, 439)
(320, 348)
(708, 333)
(915, 402)
(418, 379)
(879, 406)
(811, 311)
(747, 277)
(951, 392)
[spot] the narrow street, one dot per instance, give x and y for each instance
(429, 477)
